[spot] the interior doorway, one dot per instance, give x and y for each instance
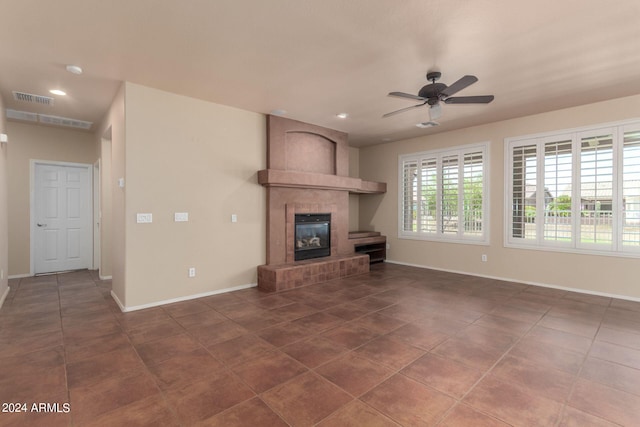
(61, 216)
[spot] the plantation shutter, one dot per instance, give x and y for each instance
(429, 193)
(557, 192)
(596, 189)
(449, 196)
(410, 187)
(472, 193)
(524, 190)
(442, 194)
(631, 191)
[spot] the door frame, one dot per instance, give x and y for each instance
(97, 216)
(32, 199)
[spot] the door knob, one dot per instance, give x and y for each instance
(41, 225)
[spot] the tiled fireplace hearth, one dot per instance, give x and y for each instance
(280, 277)
(308, 173)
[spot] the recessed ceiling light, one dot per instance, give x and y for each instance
(342, 115)
(278, 112)
(74, 69)
(58, 92)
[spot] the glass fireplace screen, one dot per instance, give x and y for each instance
(313, 236)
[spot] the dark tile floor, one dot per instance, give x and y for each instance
(397, 346)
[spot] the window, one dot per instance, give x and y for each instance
(443, 195)
(575, 191)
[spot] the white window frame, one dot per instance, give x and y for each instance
(439, 236)
(617, 130)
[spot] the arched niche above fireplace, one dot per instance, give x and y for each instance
(301, 147)
(309, 152)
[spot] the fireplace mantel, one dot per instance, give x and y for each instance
(295, 179)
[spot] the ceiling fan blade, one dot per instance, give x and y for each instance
(403, 110)
(459, 85)
(484, 99)
(406, 95)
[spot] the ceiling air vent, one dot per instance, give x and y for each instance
(36, 99)
(48, 119)
(22, 115)
(64, 121)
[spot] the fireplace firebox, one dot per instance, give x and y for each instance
(312, 236)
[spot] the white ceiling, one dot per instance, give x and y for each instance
(315, 59)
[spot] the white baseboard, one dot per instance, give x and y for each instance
(19, 276)
(126, 309)
(117, 300)
(4, 296)
(508, 279)
(105, 277)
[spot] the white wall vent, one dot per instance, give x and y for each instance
(64, 121)
(36, 99)
(48, 119)
(22, 115)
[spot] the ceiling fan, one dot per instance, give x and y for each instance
(433, 93)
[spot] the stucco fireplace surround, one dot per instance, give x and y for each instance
(308, 173)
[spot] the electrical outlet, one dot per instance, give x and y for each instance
(484, 257)
(192, 272)
(234, 218)
(144, 218)
(181, 216)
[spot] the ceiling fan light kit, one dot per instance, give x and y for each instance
(431, 94)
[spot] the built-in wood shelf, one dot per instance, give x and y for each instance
(294, 179)
(370, 243)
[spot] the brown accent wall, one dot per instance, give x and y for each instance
(301, 147)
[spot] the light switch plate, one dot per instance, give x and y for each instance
(144, 218)
(181, 216)
(234, 218)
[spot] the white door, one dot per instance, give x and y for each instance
(62, 216)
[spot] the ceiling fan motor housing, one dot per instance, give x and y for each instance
(431, 92)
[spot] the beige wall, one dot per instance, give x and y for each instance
(117, 122)
(40, 143)
(110, 138)
(186, 155)
(106, 188)
(4, 206)
(610, 275)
